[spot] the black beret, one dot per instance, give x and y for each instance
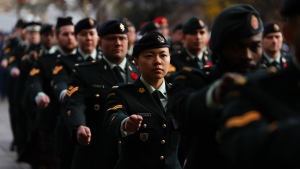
(271, 28)
(63, 22)
(193, 24)
(86, 23)
(113, 26)
(290, 7)
(177, 27)
(33, 26)
(235, 22)
(149, 41)
(150, 26)
(20, 23)
(47, 28)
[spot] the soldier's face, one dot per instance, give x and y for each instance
(131, 35)
(242, 55)
(48, 39)
(33, 37)
(291, 34)
(272, 42)
(87, 40)
(153, 63)
(66, 38)
(196, 40)
(114, 46)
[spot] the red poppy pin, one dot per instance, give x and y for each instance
(134, 76)
(284, 64)
(208, 64)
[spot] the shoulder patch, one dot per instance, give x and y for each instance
(57, 69)
(11, 59)
(34, 71)
(241, 121)
(240, 80)
(119, 106)
(71, 90)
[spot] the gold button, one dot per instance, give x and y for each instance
(97, 95)
(162, 141)
(120, 142)
(207, 73)
(164, 126)
(145, 125)
(161, 157)
(69, 113)
(96, 107)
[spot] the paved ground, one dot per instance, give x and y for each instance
(7, 158)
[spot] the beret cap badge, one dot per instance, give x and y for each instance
(276, 27)
(91, 22)
(160, 39)
(201, 23)
(254, 22)
(122, 27)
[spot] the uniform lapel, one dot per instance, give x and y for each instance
(145, 98)
(131, 73)
(106, 73)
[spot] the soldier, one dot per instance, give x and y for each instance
(67, 58)
(176, 38)
(84, 103)
(196, 96)
(261, 116)
(131, 37)
(164, 26)
(40, 151)
(195, 52)
(13, 49)
(136, 113)
(272, 44)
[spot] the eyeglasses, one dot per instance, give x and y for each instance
(115, 38)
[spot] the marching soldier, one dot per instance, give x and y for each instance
(137, 115)
(84, 103)
(272, 44)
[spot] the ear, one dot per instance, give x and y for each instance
(287, 32)
(136, 62)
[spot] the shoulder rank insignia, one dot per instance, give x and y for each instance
(57, 69)
(172, 68)
(119, 106)
(187, 69)
(241, 121)
(6, 51)
(114, 87)
(34, 71)
(240, 80)
(11, 59)
(71, 90)
(24, 57)
(141, 90)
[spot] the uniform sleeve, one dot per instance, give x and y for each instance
(115, 113)
(252, 136)
(35, 79)
(60, 79)
(73, 105)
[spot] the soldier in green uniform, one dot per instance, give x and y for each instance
(84, 102)
(272, 44)
(195, 53)
(260, 120)
(13, 49)
(137, 115)
(196, 96)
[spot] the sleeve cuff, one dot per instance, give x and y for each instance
(123, 132)
(210, 103)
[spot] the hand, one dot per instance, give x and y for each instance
(133, 123)
(83, 135)
(226, 82)
(33, 55)
(4, 63)
(15, 72)
(43, 101)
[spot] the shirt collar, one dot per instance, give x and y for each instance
(112, 65)
(85, 56)
(200, 54)
(64, 53)
(162, 87)
(270, 60)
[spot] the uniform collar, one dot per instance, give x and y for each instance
(162, 87)
(200, 56)
(85, 56)
(270, 60)
(112, 65)
(64, 53)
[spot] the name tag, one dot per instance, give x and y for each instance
(145, 114)
(98, 86)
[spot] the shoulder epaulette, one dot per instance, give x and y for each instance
(85, 63)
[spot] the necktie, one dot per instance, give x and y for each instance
(275, 64)
(89, 59)
(156, 96)
(117, 72)
(198, 63)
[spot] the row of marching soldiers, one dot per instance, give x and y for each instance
(61, 76)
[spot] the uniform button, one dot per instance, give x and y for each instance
(164, 126)
(145, 125)
(69, 113)
(162, 141)
(120, 142)
(97, 95)
(161, 157)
